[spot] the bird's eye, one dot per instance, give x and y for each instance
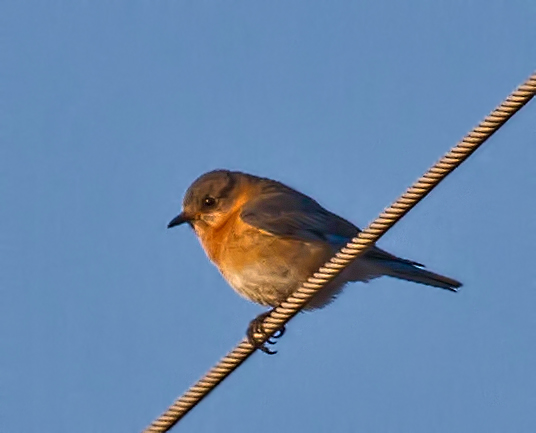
(209, 201)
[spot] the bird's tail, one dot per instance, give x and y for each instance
(422, 276)
(407, 270)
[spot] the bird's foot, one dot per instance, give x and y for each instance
(256, 326)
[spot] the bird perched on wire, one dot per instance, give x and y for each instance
(267, 239)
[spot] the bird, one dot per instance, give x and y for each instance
(267, 238)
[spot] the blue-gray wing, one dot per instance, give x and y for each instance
(291, 214)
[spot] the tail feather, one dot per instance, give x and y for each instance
(422, 276)
(411, 271)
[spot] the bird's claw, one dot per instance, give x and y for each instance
(256, 326)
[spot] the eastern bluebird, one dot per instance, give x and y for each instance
(267, 239)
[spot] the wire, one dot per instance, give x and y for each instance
(289, 308)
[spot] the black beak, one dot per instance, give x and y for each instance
(178, 220)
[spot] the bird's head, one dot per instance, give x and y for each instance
(209, 200)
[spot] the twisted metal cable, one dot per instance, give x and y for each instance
(289, 308)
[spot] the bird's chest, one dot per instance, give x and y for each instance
(259, 266)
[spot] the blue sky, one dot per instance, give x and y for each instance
(110, 109)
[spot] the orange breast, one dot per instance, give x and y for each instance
(218, 241)
(231, 236)
(236, 245)
(260, 266)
